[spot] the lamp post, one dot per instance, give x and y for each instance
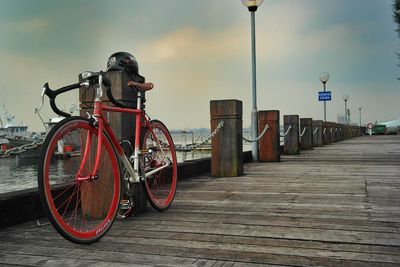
(345, 98)
(252, 5)
(359, 109)
(324, 77)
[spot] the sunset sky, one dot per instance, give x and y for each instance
(199, 50)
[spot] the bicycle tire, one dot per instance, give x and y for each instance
(160, 187)
(80, 211)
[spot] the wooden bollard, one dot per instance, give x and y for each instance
(337, 133)
(333, 132)
(123, 125)
(291, 141)
(270, 147)
(326, 137)
(343, 132)
(306, 140)
(226, 145)
(317, 132)
(346, 132)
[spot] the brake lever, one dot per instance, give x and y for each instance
(37, 109)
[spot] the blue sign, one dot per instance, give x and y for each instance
(324, 96)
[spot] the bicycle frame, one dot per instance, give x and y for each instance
(103, 125)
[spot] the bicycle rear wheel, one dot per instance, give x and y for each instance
(83, 210)
(159, 150)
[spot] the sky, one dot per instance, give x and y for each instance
(195, 51)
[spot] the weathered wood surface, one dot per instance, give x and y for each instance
(291, 140)
(317, 135)
(226, 146)
(270, 143)
(306, 140)
(337, 205)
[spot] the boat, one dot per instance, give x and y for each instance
(17, 135)
(32, 149)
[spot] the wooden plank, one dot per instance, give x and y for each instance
(338, 205)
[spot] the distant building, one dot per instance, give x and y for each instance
(341, 118)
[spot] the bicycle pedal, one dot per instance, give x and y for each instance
(125, 209)
(125, 204)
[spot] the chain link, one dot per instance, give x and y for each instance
(257, 138)
(21, 149)
(287, 131)
(188, 148)
(304, 130)
(315, 130)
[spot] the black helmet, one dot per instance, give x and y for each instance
(125, 62)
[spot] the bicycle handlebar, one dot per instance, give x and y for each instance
(52, 94)
(90, 78)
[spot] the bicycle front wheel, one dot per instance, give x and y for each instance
(81, 209)
(159, 151)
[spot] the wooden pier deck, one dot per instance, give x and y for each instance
(338, 205)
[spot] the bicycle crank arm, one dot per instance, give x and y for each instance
(150, 173)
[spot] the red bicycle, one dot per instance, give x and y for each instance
(83, 169)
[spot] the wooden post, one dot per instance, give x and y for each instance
(270, 147)
(333, 132)
(227, 144)
(291, 141)
(123, 125)
(346, 131)
(326, 133)
(317, 136)
(306, 141)
(337, 133)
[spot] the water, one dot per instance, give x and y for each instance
(17, 174)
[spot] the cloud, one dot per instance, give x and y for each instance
(28, 25)
(190, 43)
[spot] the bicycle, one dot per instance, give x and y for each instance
(83, 169)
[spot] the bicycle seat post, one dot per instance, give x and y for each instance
(99, 90)
(139, 100)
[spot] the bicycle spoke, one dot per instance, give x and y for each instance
(80, 210)
(160, 186)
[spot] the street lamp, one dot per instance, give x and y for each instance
(252, 5)
(345, 98)
(324, 77)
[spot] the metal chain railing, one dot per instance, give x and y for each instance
(196, 146)
(258, 137)
(304, 130)
(315, 130)
(324, 131)
(287, 131)
(302, 133)
(21, 149)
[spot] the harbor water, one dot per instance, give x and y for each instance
(18, 174)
